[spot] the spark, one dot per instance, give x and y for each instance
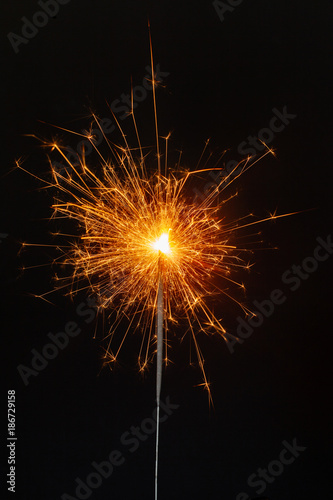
(144, 243)
(139, 232)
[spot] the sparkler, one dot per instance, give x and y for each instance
(146, 252)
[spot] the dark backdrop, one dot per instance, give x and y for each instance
(225, 70)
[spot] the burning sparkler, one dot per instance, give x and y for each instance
(146, 252)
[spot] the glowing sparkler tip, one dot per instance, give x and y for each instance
(162, 244)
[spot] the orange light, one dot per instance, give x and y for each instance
(162, 244)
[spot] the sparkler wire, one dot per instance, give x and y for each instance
(159, 328)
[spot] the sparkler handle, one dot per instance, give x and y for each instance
(159, 323)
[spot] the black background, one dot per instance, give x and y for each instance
(224, 80)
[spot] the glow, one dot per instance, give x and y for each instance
(120, 205)
(162, 244)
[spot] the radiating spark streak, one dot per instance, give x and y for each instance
(154, 101)
(201, 156)
(166, 154)
(271, 217)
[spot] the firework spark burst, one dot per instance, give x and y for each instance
(138, 228)
(146, 252)
(143, 243)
